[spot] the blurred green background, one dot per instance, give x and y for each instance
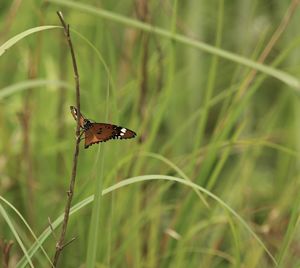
(161, 68)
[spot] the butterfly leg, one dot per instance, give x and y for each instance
(80, 135)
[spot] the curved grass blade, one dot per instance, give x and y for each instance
(27, 225)
(177, 169)
(280, 75)
(15, 233)
(22, 35)
(137, 179)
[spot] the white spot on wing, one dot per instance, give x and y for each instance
(122, 134)
(123, 130)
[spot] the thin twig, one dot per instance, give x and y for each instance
(61, 125)
(68, 243)
(60, 243)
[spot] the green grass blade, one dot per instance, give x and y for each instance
(280, 75)
(23, 262)
(195, 186)
(177, 169)
(8, 44)
(15, 233)
(137, 179)
(94, 231)
(27, 226)
(18, 87)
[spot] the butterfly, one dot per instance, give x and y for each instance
(99, 132)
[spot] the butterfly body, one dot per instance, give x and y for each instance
(100, 132)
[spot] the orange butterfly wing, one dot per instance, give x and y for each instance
(101, 132)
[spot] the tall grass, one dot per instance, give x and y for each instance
(212, 178)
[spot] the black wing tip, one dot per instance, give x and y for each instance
(134, 134)
(126, 138)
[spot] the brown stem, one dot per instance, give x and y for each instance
(5, 247)
(61, 134)
(27, 163)
(60, 243)
(10, 18)
(143, 14)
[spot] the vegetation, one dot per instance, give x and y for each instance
(212, 90)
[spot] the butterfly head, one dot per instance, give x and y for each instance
(84, 123)
(87, 124)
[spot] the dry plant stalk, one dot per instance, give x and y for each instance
(142, 11)
(5, 248)
(61, 241)
(272, 42)
(263, 56)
